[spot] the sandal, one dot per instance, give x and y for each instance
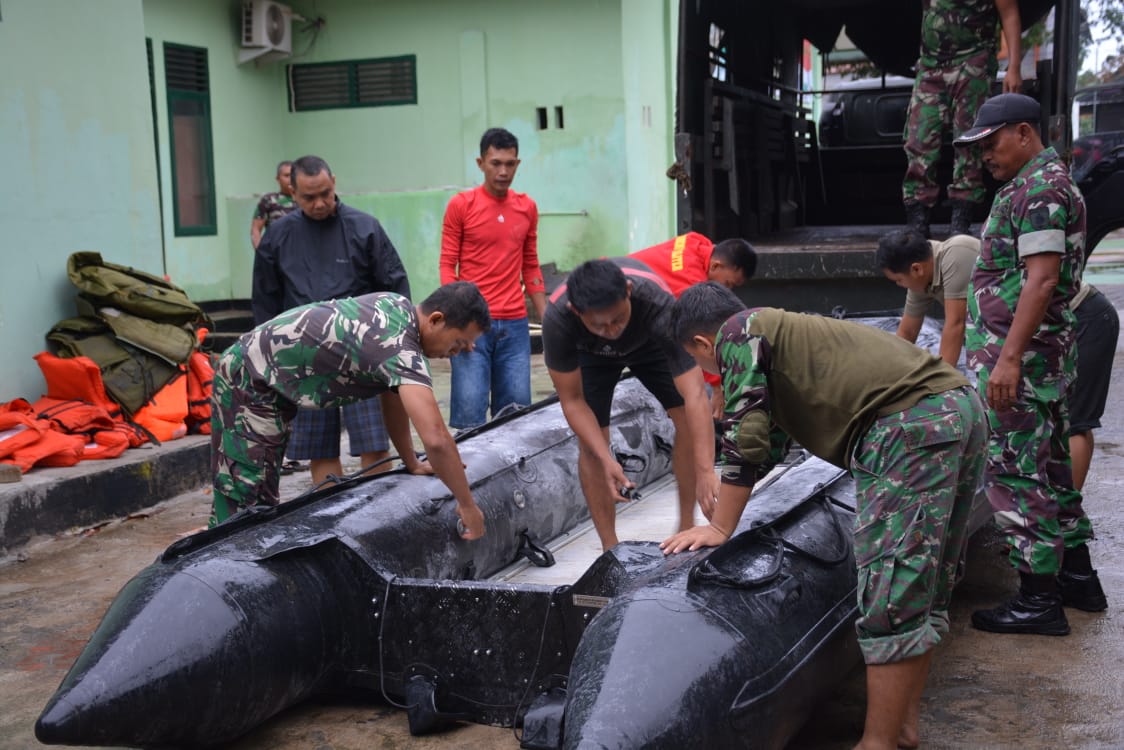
(290, 467)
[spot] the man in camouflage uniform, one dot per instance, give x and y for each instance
(1020, 339)
(331, 353)
(954, 74)
(912, 433)
(273, 206)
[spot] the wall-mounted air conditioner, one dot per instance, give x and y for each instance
(267, 31)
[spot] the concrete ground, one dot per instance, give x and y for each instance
(986, 690)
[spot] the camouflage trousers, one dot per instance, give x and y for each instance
(944, 97)
(1029, 476)
(917, 473)
(249, 430)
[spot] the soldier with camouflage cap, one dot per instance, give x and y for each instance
(1020, 339)
(911, 431)
(954, 74)
(337, 352)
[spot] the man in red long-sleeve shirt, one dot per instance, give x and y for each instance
(490, 237)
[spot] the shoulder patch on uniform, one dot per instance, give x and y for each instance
(1039, 217)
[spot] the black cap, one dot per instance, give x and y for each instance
(999, 111)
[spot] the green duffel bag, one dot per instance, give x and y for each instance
(131, 375)
(145, 295)
(172, 343)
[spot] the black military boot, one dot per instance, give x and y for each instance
(917, 217)
(1037, 609)
(1079, 584)
(961, 218)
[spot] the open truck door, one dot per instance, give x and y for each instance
(751, 162)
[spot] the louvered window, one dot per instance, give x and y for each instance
(189, 128)
(353, 83)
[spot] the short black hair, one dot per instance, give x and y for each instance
(702, 309)
(737, 253)
(281, 165)
(900, 249)
(461, 303)
(595, 285)
(309, 166)
(499, 139)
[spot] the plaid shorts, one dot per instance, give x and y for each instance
(316, 432)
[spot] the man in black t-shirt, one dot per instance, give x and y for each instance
(611, 314)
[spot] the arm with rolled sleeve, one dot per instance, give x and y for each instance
(751, 444)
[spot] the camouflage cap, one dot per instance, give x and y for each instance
(999, 111)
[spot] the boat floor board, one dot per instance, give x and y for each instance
(652, 518)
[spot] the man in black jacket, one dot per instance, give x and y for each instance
(324, 251)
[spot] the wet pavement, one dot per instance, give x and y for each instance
(986, 690)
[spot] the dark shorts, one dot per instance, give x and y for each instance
(601, 374)
(316, 432)
(1098, 327)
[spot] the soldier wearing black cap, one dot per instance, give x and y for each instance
(1020, 340)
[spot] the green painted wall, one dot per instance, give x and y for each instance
(598, 179)
(248, 120)
(76, 145)
(482, 63)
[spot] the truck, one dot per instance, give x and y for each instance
(752, 161)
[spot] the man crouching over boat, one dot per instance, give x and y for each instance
(908, 427)
(333, 353)
(611, 314)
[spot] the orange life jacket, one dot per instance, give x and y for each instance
(53, 448)
(200, 374)
(165, 413)
(79, 378)
(18, 429)
(76, 378)
(104, 438)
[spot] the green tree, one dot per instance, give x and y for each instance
(1105, 18)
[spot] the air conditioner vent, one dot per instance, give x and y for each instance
(267, 32)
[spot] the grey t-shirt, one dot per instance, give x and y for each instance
(953, 261)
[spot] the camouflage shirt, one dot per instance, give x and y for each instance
(340, 351)
(955, 29)
(1039, 211)
(273, 206)
(809, 377)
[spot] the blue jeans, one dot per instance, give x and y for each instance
(501, 363)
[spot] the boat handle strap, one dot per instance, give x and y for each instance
(536, 553)
(707, 572)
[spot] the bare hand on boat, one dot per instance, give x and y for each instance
(472, 519)
(693, 539)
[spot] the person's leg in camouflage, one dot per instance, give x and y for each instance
(925, 121)
(1030, 488)
(249, 430)
(916, 476)
(970, 88)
